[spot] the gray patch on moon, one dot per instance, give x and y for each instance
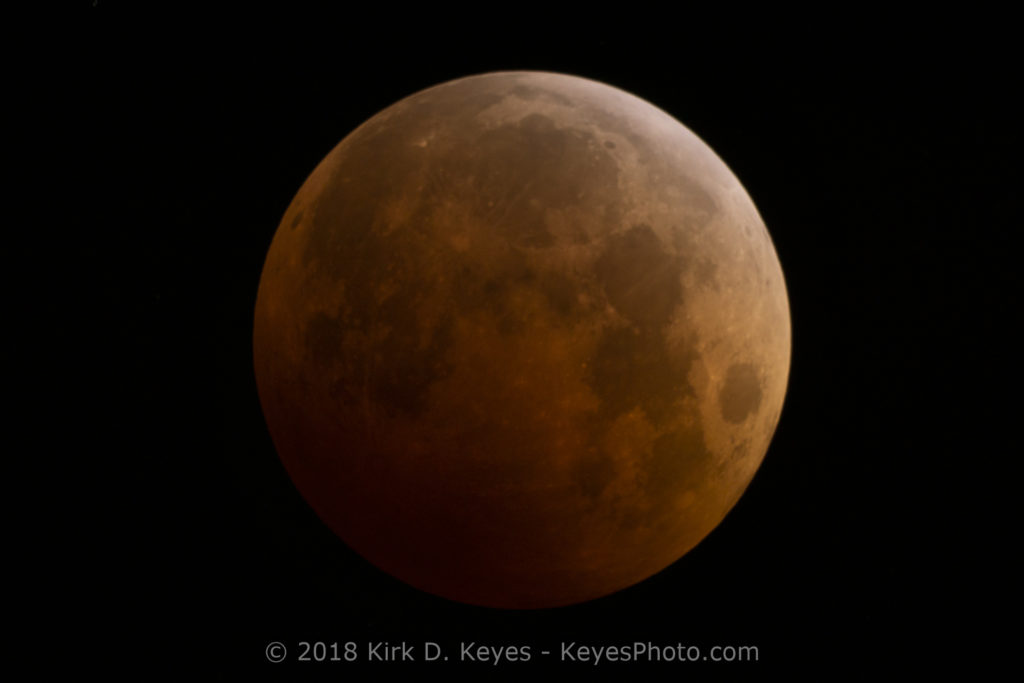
(741, 394)
(394, 373)
(620, 126)
(475, 289)
(347, 210)
(633, 368)
(680, 462)
(594, 473)
(640, 278)
(562, 294)
(383, 331)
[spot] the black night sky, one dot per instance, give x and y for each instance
(883, 171)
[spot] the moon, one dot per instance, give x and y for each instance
(522, 340)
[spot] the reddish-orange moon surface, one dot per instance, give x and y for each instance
(522, 340)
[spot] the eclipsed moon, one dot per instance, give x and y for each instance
(522, 340)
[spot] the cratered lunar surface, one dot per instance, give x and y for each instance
(522, 340)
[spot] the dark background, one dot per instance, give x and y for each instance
(884, 165)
